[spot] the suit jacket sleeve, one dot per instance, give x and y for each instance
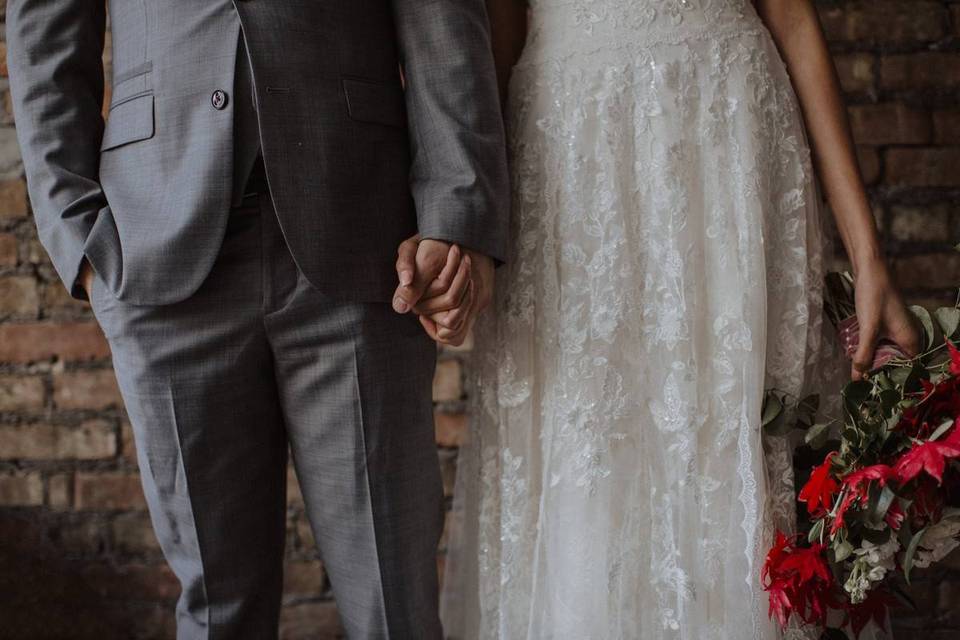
(55, 50)
(459, 171)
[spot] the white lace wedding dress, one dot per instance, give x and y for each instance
(665, 268)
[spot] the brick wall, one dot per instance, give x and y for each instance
(77, 556)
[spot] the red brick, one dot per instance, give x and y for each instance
(8, 250)
(448, 470)
(294, 495)
(58, 304)
(13, 199)
(19, 393)
(131, 582)
(80, 535)
(86, 389)
(18, 297)
(923, 167)
(303, 579)
(856, 72)
(92, 440)
(305, 534)
(924, 224)
(890, 123)
(37, 255)
(21, 490)
(6, 109)
(108, 491)
(60, 491)
(311, 621)
(452, 526)
(929, 271)
(128, 449)
(885, 21)
(133, 533)
(946, 126)
(923, 70)
(447, 385)
(869, 160)
(69, 341)
(451, 429)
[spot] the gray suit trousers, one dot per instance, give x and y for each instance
(219, 385)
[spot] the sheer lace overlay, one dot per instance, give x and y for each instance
(665, 268)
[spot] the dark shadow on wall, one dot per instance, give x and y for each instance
(47, 592)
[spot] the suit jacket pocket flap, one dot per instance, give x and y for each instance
(372, 101)
(129, 120)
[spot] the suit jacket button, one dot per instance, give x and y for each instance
(219, 99)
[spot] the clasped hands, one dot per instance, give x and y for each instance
(446, 286)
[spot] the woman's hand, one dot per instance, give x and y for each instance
(881, 314)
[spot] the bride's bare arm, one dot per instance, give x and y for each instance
(508, 31)
(796, 30)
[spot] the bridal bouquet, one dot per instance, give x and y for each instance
(880, 483)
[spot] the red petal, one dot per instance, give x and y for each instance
(954, 358)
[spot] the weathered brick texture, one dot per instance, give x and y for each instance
(78, 557)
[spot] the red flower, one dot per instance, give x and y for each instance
(935, 404)
(857, 484)
(780, 606)
(954, 358)
(894, 516)
(820, 489)
(930, 457)
(855, 479)
(873, 608)
(927, 504)
(798, 580)
(848, 500)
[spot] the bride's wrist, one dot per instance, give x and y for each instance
(868, 260)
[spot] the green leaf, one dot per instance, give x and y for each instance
(929, 330)
(815, 531)
(854, 394)
(772, 407)
(915, 375)
(899, 375)
(889, 399)
(877, 536)
(942, 429)
(879, 510)
(842, 551)
(949, 320)
(911, 552)
(773, 416)
(882, 380)
(810, 403)
(817, 435)
(851, 435)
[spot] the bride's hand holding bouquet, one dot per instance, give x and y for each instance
(881, 482)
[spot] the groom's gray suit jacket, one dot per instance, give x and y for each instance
(355, 163)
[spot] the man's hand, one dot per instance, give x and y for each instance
(86, 277)
(452, 325)
(445, 286)
(427, 268)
